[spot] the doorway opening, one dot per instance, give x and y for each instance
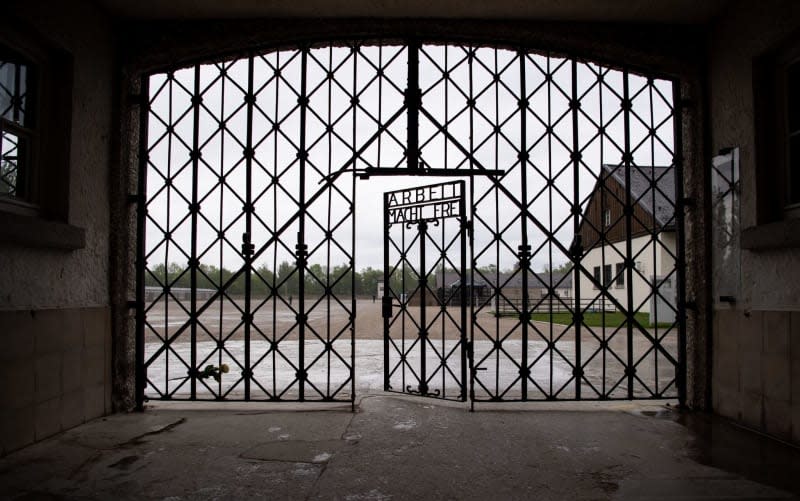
(260, 228)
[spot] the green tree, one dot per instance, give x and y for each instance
(288, 279)
(342, 275)
(368, 281)
(261, 281)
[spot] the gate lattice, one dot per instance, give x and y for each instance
(246, 231)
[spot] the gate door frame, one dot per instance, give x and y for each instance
(424, 210)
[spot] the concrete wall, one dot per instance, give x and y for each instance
(54, 304)
(756, 342)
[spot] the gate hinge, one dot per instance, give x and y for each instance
(134, 198)
(137, 99)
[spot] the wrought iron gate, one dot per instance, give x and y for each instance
(246, 242)
(425, 293)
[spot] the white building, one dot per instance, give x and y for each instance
(604, 232)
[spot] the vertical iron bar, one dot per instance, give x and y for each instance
(17, 102)
(549, 77)
(680, 285)
(141, 211)
(301, 245)
(275, 245)
(412, 104)
(525, 247)
(221, 213)
(576, 166)
(328, 292)
(380, 102)
(403, 302)
(463, 299)
(247, 237)
(602, 199)
(656, 231)
(196, 99)
(21, 162)
(498, 290)
(550, 328)
(423, 333)
(444, 300)
(446, 49)
(167, 226)
(626, 160)
(470, 234)
(354, 313)
(387, 297)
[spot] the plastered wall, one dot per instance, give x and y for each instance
(756, 355)
(38, 278)
(54, 304)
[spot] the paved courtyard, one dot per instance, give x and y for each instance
(274, 351)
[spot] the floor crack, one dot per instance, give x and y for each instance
(137, 440)
(324, 468)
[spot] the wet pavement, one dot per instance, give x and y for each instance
(396, 447)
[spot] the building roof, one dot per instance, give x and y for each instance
(641, 181)
(453, 279)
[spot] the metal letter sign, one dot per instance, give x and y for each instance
(432, 203)
(424, 293)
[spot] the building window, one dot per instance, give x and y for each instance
(776, 93)
(793, 133)
(36, 78)
(596, 277)
(620, 280)
(17, 125)
(606, 275)
(607, 218)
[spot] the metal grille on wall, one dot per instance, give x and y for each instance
(247, 262)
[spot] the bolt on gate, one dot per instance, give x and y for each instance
(560, 277)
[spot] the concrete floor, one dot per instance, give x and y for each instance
(396, 447)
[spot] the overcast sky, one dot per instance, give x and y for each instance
(379, 98)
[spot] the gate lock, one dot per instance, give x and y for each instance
(386, 306)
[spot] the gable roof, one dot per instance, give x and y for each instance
(642, 179)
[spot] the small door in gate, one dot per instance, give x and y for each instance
(426, 291)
